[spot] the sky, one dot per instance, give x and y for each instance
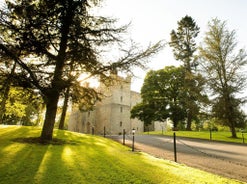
(153, 20)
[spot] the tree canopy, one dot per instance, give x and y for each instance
(223, 66)
(22, 106)
(53, 42)
(183, 41)
(163, 96)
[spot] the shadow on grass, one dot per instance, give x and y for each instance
(72, 163)
(70, 158)
(37, 140)
(21, 162)
(60, 137)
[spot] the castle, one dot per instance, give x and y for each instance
(111, 115)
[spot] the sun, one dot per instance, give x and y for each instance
(90, 81)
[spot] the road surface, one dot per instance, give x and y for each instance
(225, 159)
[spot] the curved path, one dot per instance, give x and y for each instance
(225, 159)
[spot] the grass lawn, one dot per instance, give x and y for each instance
(86, 159)
(216, 135)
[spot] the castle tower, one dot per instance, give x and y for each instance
(112, 114)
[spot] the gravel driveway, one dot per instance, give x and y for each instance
(225, 159)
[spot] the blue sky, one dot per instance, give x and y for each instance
(153, 20)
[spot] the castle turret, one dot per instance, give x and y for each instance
(112, 114)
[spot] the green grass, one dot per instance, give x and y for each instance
(86, 159)
(216, 135)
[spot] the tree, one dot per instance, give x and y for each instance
(84, 97)
(48, 38)
(144, 112)
(17, 105)
(223, 66)
(22, 107)
(163, 96)
(64, 108)
(219, 109)
(184, 46)
(6, 81)
(183, 41)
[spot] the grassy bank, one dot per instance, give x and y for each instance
(216, 135)
(85, 159)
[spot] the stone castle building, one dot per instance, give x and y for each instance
(111, 115)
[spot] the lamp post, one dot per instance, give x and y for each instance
(175, 146)
(123, 136)
(133, 140)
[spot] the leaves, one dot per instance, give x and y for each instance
(223, 70)
(184, 46)
(21, 105)
(53, 42)
(183, 41)
(163, 96)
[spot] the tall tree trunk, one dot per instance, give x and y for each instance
(3, 103)
(52, 95)
(231, 122)
(175, 126)
(189, 120)
(64, 110)
(233, 130)
(50, 116)
(230, 114)
(189, 87)
(57, 85)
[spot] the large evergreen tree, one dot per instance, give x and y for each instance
(184, 46)
(48, 38)
(223, 67)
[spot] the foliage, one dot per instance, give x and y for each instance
(183, 41)
(214, 123)
(163, 96)
(86, 159)
(184, 46)
(222, 66)
(13, 107)
(53, 42)
(22, 107)
(219, 111)
(143, 112)
(6, 81)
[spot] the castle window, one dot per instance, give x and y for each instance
(88, 114)
(121, 109)
(121, 98)
(121, 123)
(121, 87)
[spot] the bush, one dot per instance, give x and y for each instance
(181, 126)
